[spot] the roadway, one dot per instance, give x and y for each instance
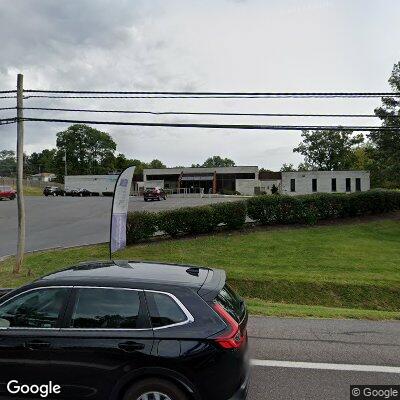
(332, 353)
(73, 221)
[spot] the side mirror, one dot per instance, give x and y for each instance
(4, 323)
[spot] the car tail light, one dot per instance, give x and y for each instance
(234, 338)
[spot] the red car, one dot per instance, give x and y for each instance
(7, 192)
(154, 194)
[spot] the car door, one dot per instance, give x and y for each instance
(29, 322)
(106, 338)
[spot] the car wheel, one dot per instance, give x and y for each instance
(152, 389)
(145, 199)
(158, 198)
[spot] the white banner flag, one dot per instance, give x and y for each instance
(120, 210)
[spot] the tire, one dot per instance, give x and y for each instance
(145, 199)
(155, 385)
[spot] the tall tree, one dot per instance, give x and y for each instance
(8, 163)
(328, 150)
(387, 142)
(41, 162)
(216, 161)
(89, 151)
(287, 168)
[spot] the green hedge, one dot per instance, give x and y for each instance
(140, 225)
(265, 209)
(233, 215)
(269, 210)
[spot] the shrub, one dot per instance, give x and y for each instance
(140, 225)
(309, 209)
(233, 214)
(193, 220)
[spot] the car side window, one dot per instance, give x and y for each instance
(164, 310)
(40, 308)
(106, 309)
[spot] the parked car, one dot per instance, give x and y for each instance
(78, 192)
(127, 331)
(53, 191)
(154, 194)
(7, 192)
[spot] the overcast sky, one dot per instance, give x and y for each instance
(203, 45)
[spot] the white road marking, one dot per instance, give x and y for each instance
(326, 366)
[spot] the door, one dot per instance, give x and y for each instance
(106, 337)
(29, 322)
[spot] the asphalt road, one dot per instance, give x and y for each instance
(349, 345)
(72, 221)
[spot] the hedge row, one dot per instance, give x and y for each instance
(142, 225)
(266, 210)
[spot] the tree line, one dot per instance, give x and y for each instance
(90, 151)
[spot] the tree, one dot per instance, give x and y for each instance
(156, 164)
(328, 150)
(89, 151)
(41, 162)
(387, 142)
(216, 161)
(8, 163)
(287, 168)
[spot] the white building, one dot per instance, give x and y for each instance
(306, 182)
(94, 183)
(42, 177)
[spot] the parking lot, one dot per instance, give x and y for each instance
(71, 221)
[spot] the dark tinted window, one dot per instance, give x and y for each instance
(106, 309)
(293, 185)
(348, 185)
(314, 185)
(35, 309)
(333, 185)
(164, 310)
(231, 302)
(358, 184)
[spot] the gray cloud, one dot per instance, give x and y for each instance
(290, 45)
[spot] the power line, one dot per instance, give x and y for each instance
(8, 91)
(194, 97)
(7, 108)
(213, 94)
(197, 113)
(6, 121)
(220, 126)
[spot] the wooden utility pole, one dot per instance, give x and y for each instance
(20, 174)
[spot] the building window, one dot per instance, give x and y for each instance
(333, 185)
(348, 184)
(358, 184)
(314, 185)
(293, 185)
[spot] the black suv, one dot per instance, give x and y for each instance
(53, 191)
(127, 331)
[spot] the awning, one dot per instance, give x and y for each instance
(197, 178)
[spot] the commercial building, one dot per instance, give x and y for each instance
(248, 180)
(294, 183)
(245, 180)
(195, 180)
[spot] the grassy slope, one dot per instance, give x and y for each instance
(354, 266)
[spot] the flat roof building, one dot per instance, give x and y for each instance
(195, 179)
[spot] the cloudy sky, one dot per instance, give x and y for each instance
(198, 45)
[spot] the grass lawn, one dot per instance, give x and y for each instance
(313, 271)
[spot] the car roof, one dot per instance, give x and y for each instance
(131, 273)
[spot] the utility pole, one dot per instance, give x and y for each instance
(20, 174)
(65, 164)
